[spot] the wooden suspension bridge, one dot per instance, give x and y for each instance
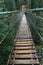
(24, 52)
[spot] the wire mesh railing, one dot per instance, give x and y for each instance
(5, 25)
(36, 26)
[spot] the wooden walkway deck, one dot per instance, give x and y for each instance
(24, 52)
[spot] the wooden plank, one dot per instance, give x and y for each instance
(31, 61)
(26, 62)
(25, 42)
(23, 45)
(25, 48)
(34, 56)
(23, 51)
(19, 39)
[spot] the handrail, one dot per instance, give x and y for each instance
(36, 9)
(8, 12)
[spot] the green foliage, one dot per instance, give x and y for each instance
(10, 4)
(1, 5)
